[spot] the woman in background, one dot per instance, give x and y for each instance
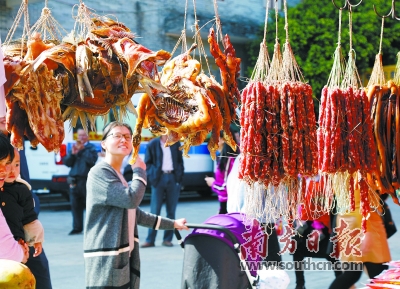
(224, 166)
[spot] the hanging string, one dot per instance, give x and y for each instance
(340, 27)
(23, 10)
(218, 23)
(396, 78)
(197, 38)
(275, 70)
(195, 11)
(46, 12)
(196, 28)
(47, 26)
(266, 22)
(26, 21)
(377, 74)
(11, 32)
(350, 29)
(336, 75)
(380, 42)
(291, 70)
(262, 65)
(182, 37)
(76, 23)
(351, 76)
(199, 41)
(184, 44)
(83, 22)
(176, 46)
(286, 20)
(276, 21)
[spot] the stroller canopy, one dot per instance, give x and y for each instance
(232, 222)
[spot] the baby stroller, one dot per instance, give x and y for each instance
(211, 255)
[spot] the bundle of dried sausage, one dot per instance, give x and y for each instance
(345, 132)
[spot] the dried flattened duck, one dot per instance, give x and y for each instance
(110, 65)
(194, 104)
(33, 98)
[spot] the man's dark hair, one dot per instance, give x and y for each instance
(6, 149)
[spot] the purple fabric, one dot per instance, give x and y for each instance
(231, 221)
(317, 225)
(238, 216)
(235, 226)
(219, 185)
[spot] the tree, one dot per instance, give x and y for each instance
(313, 35)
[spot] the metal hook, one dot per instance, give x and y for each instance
(392, 11)
(347, 4)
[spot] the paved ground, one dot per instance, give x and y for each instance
(161, 266)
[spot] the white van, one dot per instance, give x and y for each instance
(49, 175)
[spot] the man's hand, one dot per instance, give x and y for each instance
(38, 249)
(77, 147)
(209, 181)
(180, 224)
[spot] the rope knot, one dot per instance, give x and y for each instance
(46, 11)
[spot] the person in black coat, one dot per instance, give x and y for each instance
(164, 167)
(80, 159)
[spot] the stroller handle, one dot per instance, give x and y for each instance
(212, 227)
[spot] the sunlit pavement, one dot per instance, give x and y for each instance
(161, 266)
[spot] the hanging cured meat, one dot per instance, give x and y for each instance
(92, 71)
(385, 114)
(33, 96)
(106, 70)
(193, 104)
(278, 140)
